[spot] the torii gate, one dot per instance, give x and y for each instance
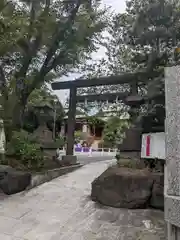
(131, 97)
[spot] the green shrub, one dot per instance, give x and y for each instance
(114, 131)
(25, 148)
(78, 136)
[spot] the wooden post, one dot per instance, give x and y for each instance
(71, 121)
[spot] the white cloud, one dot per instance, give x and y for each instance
(116, 6)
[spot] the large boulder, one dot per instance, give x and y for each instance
(4, 169)
(157, 196)
(13, 181)
(123, 188)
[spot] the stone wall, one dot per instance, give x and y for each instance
(42, 177)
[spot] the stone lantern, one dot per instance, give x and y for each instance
(43, 115)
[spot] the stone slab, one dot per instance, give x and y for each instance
(8, 237)
(172, 213)
(172, 125)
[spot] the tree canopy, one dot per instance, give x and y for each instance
(146, 37)
(40, 41)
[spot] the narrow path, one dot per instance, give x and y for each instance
(62, 210)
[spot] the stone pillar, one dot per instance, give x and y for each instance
(172, 166)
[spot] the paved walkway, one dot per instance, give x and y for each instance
(62, 210)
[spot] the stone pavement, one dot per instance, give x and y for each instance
(62, 210)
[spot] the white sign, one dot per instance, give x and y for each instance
(153, 145)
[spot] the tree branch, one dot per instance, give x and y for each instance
(3, 7)
(2, 79)
(33, 46)
(59, 37)
(32, 18)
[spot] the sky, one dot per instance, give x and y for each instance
(117, 6)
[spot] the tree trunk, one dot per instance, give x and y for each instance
(7, 130)
(14, 121)
(18, 116)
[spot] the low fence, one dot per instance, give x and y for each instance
(86, 151)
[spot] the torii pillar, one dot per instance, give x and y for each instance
(71, 121)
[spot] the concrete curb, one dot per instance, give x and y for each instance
(43, 177)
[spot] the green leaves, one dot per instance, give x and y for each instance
(141, 39)
(43, 40)
(78, 136)
(25, 148)
(95, 121)
(12, 23)
(114, 131)
(43, 98)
